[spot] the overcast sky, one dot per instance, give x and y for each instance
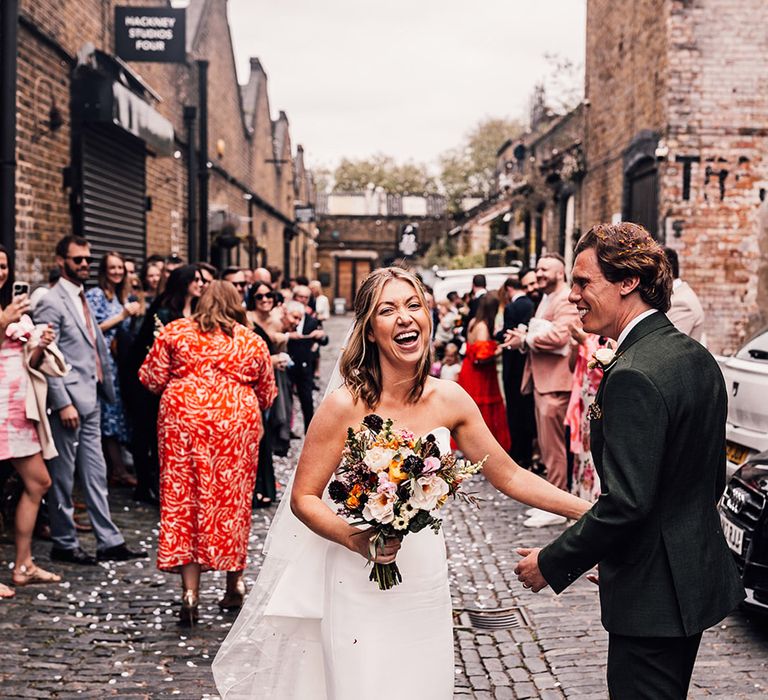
(407, 78)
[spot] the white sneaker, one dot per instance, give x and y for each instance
(544, 520)
(533, 511)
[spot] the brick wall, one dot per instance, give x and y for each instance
(625, 85)
(46, 60)
(692, 71)
(718, 111)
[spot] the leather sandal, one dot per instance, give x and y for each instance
(25, 575)
(6, 591)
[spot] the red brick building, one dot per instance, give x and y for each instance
(112, 150)
(676, 140)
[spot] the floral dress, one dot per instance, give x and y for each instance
(18, 434)
(585, 482)
(214, 388)
(113, 422)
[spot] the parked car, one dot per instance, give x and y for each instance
(743, 510)
(744, 519)
(461, 280)
(746, 378)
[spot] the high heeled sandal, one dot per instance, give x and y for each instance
(233, 598)
(190, 606)
(6, 591)
(26, 575)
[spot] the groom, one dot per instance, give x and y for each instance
(658, 442)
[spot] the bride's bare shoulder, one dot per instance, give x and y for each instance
(444, 388)
(338, 407)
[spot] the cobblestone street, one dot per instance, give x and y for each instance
(111, 630)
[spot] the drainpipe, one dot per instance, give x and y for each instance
(190, 114)
(202, 80)
(9, 39)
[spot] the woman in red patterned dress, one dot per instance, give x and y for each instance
(478, 373)
(215, 376)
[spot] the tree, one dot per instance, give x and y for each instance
(382, 171)
(470, 170)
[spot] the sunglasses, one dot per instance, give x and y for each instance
(79, 259)
(241, 285)
(268, 295)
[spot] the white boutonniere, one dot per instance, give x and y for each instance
(604, 358)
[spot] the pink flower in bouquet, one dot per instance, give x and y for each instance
(385, 485)
(431, 465)
(427, 491)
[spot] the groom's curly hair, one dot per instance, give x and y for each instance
(628, 250)
(360, 364)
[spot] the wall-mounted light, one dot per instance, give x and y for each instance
(221, 146)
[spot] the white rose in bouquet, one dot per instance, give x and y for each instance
(427, 491)
(380, 507)
(378, 458)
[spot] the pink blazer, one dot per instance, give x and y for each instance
(550, 371)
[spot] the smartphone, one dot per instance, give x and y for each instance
(20, 288)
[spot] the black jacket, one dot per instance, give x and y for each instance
(301, 350)
(658, 442)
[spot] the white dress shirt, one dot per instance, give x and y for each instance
(632, 324)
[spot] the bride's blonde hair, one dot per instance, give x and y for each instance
(359, 364)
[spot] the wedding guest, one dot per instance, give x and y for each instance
(236, 277)
(208, 273)
(113, 312)
(518, 310)
(547, 344)
(76, 414)
(151, 274)
(322, 305)
(24, 439)
(587, 374)
(451, 364)
(658, 441)
(178, 300)
(215, 378)
(685, 312)
(300, 342)
(478, 375)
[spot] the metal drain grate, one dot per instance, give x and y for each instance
(492, 619)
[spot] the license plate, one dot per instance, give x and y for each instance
(737, 454)
(734, 535)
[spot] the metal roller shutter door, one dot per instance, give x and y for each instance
(114, 192)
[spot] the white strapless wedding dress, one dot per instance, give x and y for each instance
(315, 627)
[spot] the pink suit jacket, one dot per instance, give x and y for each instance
(550, 371)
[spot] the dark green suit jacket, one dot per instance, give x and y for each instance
(658, 443)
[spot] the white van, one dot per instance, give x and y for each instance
(461, 280)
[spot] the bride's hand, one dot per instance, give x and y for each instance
(386, 549)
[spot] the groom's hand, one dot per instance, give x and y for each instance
(527, 570)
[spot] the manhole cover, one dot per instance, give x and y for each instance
(493, 619)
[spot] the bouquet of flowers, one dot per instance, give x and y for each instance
(393, 481)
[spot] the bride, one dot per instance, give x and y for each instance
(314, 626)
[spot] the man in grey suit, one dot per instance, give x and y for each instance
(75, 412)
(658, 442)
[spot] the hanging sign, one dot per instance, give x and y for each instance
(155, 34)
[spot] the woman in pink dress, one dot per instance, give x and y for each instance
(478, 374)
(19, 441)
